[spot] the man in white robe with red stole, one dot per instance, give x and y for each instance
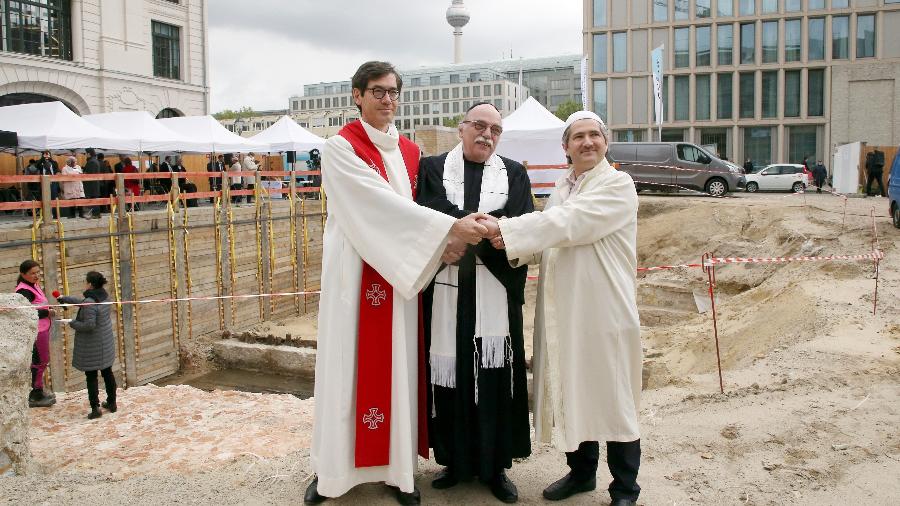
(380, 250)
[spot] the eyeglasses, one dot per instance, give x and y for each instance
(481, 126)
(379, 93)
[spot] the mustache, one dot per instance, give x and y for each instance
(485, 140)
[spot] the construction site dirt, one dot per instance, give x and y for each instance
(810, 413)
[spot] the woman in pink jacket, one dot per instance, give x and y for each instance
(29, 287)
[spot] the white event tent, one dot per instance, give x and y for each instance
(53, 126)
(533, 134)
(286, 135)
(209, 136)
(152, 135)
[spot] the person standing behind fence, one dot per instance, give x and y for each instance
(72, 190)
(107, 188)
(95, 345)
(29, 287)
(236, 179)
(92, 189)
(249, 164)
(215, 181)
(874, 171)
(820, 173)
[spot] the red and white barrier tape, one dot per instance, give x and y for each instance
(179, 299)
(877, 255)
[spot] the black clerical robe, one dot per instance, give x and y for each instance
(479, 440)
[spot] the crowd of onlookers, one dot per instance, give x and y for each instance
(96, 163)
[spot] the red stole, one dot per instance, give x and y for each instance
(375, 343)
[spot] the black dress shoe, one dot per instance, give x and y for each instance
(111, 407)
(312, 495)
(504, 489)
(446, 478)
(567, 487)
(623, 502)
(408, 498)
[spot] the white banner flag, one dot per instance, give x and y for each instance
(584, 84)
(657, 56)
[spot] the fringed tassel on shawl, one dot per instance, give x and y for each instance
(443, 370)
(475, 366)
(493, 351)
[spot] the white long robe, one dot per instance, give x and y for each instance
(376, 221)
(587, 349)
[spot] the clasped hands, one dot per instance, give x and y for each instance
(471, 230)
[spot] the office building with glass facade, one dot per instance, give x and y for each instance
(769, 80)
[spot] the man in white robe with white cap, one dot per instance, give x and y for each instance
(587, 349)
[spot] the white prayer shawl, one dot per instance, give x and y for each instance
(587, 348)
(376, 221)
(491, 306)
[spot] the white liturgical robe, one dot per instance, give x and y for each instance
(587, 347)
(376, 221)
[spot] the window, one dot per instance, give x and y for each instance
(620, 52)
(748, 43)
(629, 135)
(769, 94)
(660, 10)
(816, 44)
(802, 142)
(445, 93)
(840, 4)
(702, 8)
(600, 13)
(600, 44)
(303, 105)
(406, 96)
(702, 58)
(723, 96)
(329, 90)
(747, 94)
(416, 96)
(792, 32)
(328, 102)
(816, 92)
(815, 5)
(474, 77)
(465, 92)
(682, 8)
(725, 8)
(434, 80)
(318, 103)
(498, 103)
(769, 6)
(425, 95)
(702, 93)
(665, 98)
(487, 90)
(792, 93)
(38, 27)
(415, 82)
(343, 101)
(406, 110)
(455, 107)
(840, 37)
(725, 44)
(445, 107)
(748, 7)
(770, 42)
(416, 110)
(476, 91)
(682, 98)
(600, 97)
(455, 92)
(498, 89)
(345, 88)
(682, 47)
(791, 5)
(454, 78)
(865, 36)
(758, 145)
(690, 153)
(559, 84)
(166, 50)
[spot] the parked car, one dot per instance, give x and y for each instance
(778, 177)
(668, 165)
(894, 191)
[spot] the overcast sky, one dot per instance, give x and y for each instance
(263, 51)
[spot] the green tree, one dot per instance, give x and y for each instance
(243, 112)
(567, 108)
(454, 121)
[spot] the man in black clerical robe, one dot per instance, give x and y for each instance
(472, 313)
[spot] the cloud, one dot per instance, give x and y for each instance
(261, 56)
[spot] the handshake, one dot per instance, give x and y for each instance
(471, 230)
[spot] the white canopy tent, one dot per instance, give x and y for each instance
(152, 135)
(53, 126)
(533, 134)
(209, 136)
(286, 135)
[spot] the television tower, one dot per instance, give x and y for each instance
(458, 17)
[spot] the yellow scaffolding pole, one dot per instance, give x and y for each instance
(218, 240)
(305, 256)
(293, 217)
(187, 274)
(134, 290)
(64, 276)
(117, 291)
(173, 275)
(259, 279)
(271, 234)
(233, 258)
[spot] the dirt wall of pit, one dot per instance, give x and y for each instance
(18, 329)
